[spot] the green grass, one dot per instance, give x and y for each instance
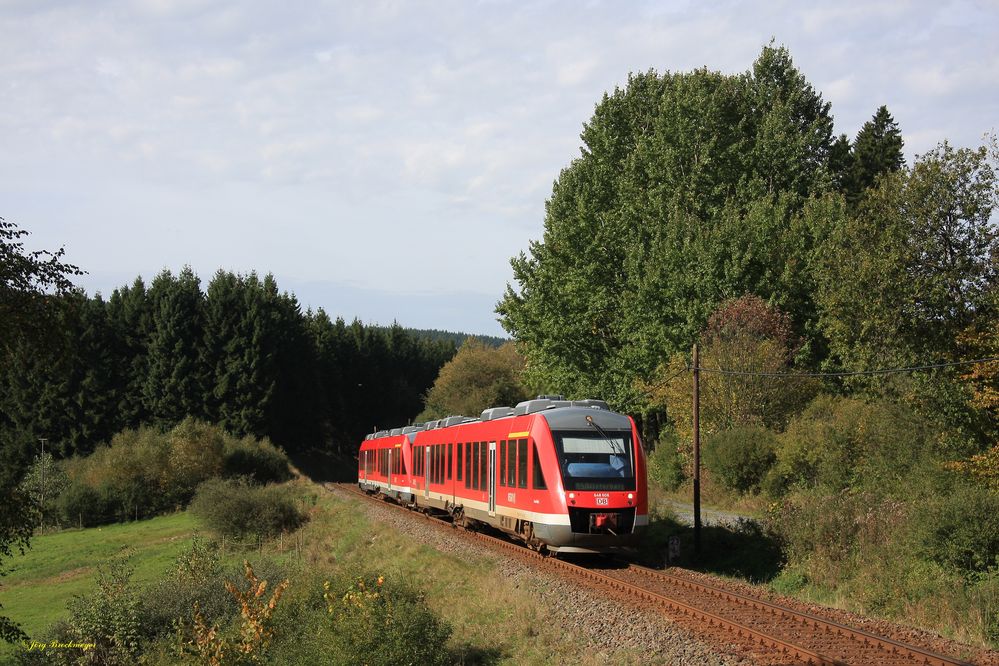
(61, 565)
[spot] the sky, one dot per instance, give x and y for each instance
(386, 159)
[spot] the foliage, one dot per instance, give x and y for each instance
(841, 443)
(242, 354)
(109, 617)
(744, 334)
(823, 531)
(28, 283)
(687, 193)
(478, 377)
(27, 280)
(210, 645)
(983, 467)
(144, 472)
(383, 625)
(741, 457)
(876, 150)
(236, 508)
(899, 280)
(960, 529)
(666, 462)
(43, 483)
(255, 459)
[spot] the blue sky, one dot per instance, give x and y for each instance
(386, 159)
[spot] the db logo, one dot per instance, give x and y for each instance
(602, 501)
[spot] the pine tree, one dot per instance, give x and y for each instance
(130, 322)
(174, 384)
(876, 150)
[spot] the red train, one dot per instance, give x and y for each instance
(569, 476)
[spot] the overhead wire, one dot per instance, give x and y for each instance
(846, 373)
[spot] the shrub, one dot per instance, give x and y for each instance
(83, 505)
(256, 459)
(196, 450)
(236, 508)
(960, 529)
(740, 457)
(209, 643)
(144, 472)
(384, 624)
(109, 617)
(666, 463)
(839, 443)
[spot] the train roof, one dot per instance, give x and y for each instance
(556, 410)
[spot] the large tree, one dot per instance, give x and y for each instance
(478, 377)
(687, 192)
(28, 283)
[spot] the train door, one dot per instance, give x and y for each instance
(492, 478)
(426, 471)
(388, 477)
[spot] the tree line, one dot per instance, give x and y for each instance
(239, 353)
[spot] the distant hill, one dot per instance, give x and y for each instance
(456, 337)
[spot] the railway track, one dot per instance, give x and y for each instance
(777, 633)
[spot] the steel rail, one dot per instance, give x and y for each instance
(784, 647)
(808, 619)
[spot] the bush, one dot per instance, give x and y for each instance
(385, 625)
(236, 508)
(666, 463)
(741, 457)
(356, 619)
(145, 472)
(109, 617)
(83, 505)
(839, 443)
(960, 528)
(255, 459)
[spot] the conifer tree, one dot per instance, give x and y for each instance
(876, 150)
(174, 382)
(130, 322)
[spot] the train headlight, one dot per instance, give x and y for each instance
(631, 496)
(572, 495)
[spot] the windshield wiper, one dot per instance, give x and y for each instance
(603, 433)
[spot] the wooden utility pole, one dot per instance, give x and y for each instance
(697, 451)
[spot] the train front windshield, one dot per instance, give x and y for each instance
(591, 461)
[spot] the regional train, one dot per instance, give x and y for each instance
(566, 476)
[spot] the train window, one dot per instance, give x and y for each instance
(460, 449)
(468, 464)
(522, 463)
(483, 465)
(511, 464)
(539, 476)
(476, 450)
(450, 460)
(502, 455)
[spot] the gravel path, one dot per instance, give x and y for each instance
(605, 626)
